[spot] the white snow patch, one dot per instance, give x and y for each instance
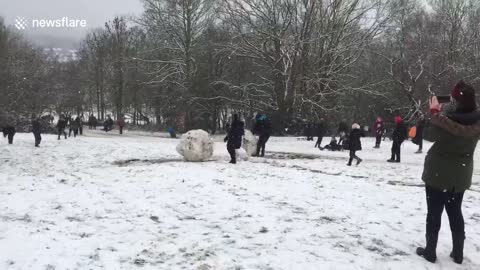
(104, 201)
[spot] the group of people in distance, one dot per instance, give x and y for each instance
(350, 139)
(454, 129)
(75, 126)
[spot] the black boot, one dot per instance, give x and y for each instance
(430, 251)
(359, 160)
(457, 251)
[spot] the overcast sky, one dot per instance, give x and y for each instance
(95, 12)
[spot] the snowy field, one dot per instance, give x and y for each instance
(129, 202)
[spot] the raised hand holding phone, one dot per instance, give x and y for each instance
(435, 106)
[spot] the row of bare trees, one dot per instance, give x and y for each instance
(190, 63)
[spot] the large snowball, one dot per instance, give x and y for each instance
(249, 143)
(195, 146)
(241, 154)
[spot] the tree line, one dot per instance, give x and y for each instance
(191, 63)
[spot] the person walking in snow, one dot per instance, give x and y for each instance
(263, 128)
(321, 131)
(9, 132)
(74, 126)
(354, 143)
(234, 137)
(36, 130)
(92, 122)
(448, 167)
(121, 123)
(108, 124)
(80, 124)
(418, 139)
(400, 134)
(309, 131)
(61, 125)
(379, 129)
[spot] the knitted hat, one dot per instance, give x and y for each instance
(355, 126)
(464, 96)
(457, 90)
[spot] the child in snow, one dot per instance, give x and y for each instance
(234, 137)
(354, 143)
(333, 145)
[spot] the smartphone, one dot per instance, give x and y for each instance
(443, 99)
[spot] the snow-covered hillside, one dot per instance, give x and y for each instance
(130, 202)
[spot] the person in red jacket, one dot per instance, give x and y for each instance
(378, 129)
(121, 123)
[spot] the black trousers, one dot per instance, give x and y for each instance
(437, 200)
(121, 129)
(38, 138)
(231, 151)
(319, 142)
(262, 142)
(420, 144)
(353, 156)
(10, 137)
(60, 132)
(396, 150)
(75, 132)
(378, 140)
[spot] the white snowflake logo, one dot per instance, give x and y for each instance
(21, 23)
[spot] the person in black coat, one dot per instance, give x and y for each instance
(92, 122)
(9, 132)
(263, 128)
(418, 140)
(309, 132)
(36, 130)
(354, 143)
(61, 125)
(108, 124)
(333, 145)
(80, 124)
(321, 130)
(399, 135)
(234, 137)
(74, 126)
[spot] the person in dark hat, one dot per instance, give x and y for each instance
(448, 168)
(234, 137)
(9, 132)
(399, 135)
(418, 139)
(262, 128)
(36, 130)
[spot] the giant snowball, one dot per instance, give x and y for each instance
(195, 146)
(249, 143)
(241, 154)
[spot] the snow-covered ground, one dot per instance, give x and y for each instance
(129, 202)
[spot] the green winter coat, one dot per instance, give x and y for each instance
(449, 163)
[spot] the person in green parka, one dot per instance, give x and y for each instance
(455, 130)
